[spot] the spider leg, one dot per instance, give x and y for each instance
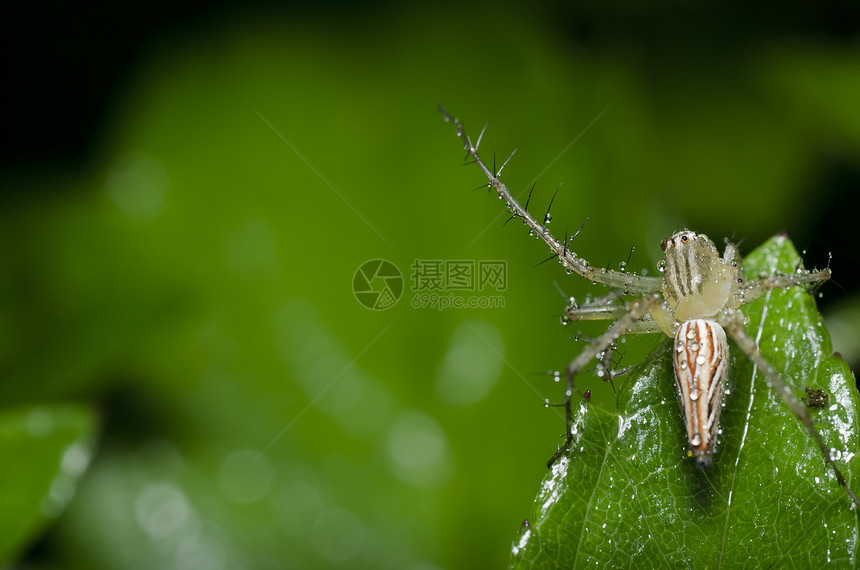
(610, 311)
(608, 369)
(735, 327)
(731, 253)
(755, 288)
(638, 309)
(630, 283)
(609, 307)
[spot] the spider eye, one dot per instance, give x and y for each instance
(684, 239)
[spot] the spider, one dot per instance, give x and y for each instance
(696, 302)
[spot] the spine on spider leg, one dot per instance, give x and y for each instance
(630, 283)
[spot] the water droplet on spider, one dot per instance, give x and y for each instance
(683, 365)
(700, 359)
(694, 395)
(679, 348)
(694, 347)
(622, 265)
(691, 334)
(556, 376)
(661, 265)
(546, 403)
(696, 439)
(547, 219)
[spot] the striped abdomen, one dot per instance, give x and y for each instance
(701, 365)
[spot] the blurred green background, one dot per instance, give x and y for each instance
(186, 377)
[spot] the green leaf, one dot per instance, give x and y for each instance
(627, 494)
(43, 451)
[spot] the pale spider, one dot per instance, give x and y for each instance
(696, 302)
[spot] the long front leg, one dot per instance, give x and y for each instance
(629, 283)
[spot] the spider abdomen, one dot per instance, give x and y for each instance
(701, 365)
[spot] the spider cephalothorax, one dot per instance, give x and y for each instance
(697, 282)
